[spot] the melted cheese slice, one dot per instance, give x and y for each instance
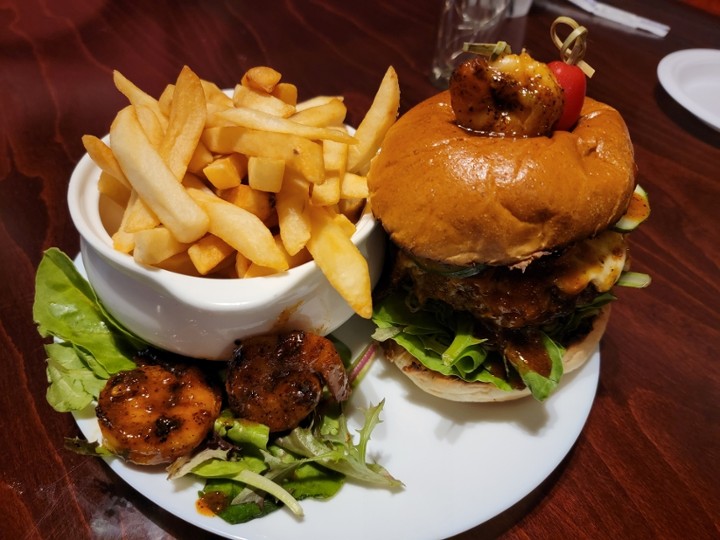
(599, 260)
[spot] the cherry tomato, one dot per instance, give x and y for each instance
(572, 80)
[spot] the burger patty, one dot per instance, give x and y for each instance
(518, 297)
(509, 298)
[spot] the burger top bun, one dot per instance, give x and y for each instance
(452, 196)
(455, 389)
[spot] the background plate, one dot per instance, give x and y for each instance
(692, 78)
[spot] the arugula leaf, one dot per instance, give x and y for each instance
(332, 446)
(87, 448)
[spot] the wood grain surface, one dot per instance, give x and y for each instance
(647, 462)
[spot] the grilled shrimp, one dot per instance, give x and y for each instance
(156, 413)
(278, 379)
(512, 95)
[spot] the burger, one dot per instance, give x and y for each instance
(507, 234)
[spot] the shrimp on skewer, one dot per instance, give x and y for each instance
(278, 379)
(156, 413)
(512, 95)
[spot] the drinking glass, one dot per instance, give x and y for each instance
(464, 21)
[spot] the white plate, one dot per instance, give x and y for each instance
(692, 78)
(461, 464)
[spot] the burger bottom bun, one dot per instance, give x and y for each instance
(455, 389)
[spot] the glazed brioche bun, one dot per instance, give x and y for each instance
(455, 389)
(448, 195)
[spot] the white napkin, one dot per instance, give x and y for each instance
(620, 16)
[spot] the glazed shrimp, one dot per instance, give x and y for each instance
(156, 413)
(278, 380)
(512, 95)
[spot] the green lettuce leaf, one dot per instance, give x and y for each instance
(540, 386)
(72, 385)
(94, 345)
(441, 339)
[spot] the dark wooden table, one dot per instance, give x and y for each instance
(647, 462)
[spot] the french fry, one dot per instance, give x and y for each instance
(374, 125)
(137, 215)
(286, 92)
(353, 186)
(261, 78)
(255, 270)
(265, 173)
(165, 99)
(154, 182)
(151, 124)
(293, 218)
(246, 233)
(300, 155)
(254, 201)
(352, 208)
(192, 181)
(104, 158)
(227, 172)
(138, 97)
(345, 224)
(180, 264)
(316, 101)
(213, 116)
(249, 118)
(123, 241)
(340, 260)
(188, 113)
(241, 229)
(327, 193)
(242, 263)
(155, 245)
(208, 252)
(201, 158)
(248, 97)
(335, 156)
(112, 188)
(331, 113)
(225, 270)
(335, 159)
(214, 95)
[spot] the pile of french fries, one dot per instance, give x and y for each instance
(242, 185)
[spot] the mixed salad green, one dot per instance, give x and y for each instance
(246, 472)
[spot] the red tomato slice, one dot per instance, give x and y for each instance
(572, 80)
